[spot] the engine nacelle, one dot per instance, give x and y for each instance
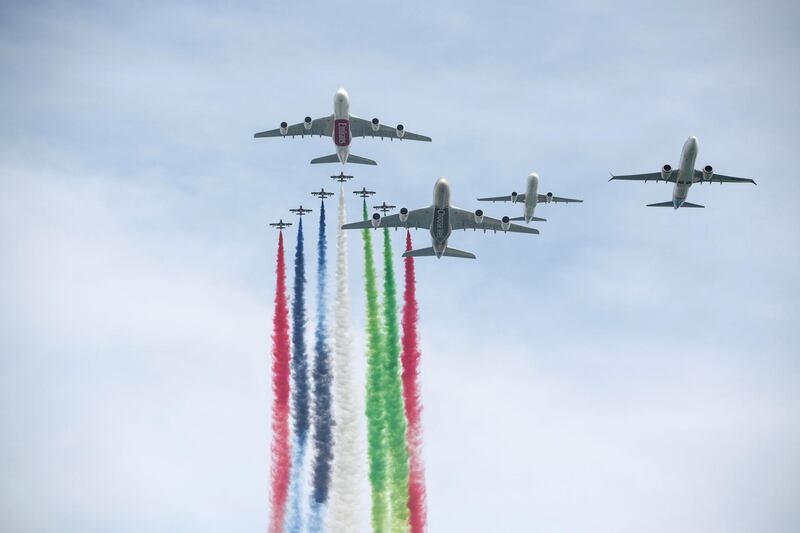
(505, 223)
(549, 198)
(376, 220)
(708, 173)
(479, 216)
(666, 172)
(514, 197)
(403, 214)
(284, 128)
(307, 123)
(376, 125)
(400, 131)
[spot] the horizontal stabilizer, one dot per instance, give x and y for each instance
(448, 252)
(535, 219)
(360, 160)
(670, 204)
(333, 158)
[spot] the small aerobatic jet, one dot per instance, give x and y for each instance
(384, 208)
(683, 177)
(280, 224)
(364, 193)
(322, 194)
(441, 218)
(530, 198)
(300, 211)
(341, 178)
(341, 126)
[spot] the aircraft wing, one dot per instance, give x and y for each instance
(363, 128)
(320, 126)
(542, 198)
(463, 219)
(418, 218)
(719, 178)
(652, 176)
(520, 198)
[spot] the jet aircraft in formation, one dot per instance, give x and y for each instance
(683, 177)
(441, 219)
(342, 127)
(530, 198)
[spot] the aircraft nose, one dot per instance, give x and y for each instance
(341, 94)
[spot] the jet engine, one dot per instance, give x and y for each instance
(376, 125)
(307, 123)
(403, 214)
(514, 197)
(549, 197)
(284, 128)
(376, 220)
(708, 173)
(666, 171)
(479, 216)
(505, 223)
(400, 130)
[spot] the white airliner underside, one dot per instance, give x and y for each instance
(683, 177)
(441, 219)
(342, 127)
(530, 198)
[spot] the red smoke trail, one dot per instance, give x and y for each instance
(281, 349)
(410, 359)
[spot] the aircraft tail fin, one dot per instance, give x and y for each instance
(534, 219)
(360, 160)
(333, 158)
(448, 252)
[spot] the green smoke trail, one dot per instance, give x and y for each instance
(393, 397)
(376, 429)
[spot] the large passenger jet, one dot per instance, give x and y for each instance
(530, 198)
(683, 177)
(441, 218)
(342, 127)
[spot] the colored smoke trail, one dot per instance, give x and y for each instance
(300, 392)
(393, 396)
(376, 430)
(344, 499)
(279, 475)
(410, 358)
(323, 420)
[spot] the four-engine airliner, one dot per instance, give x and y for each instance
(342, 127)
(683, 177)
(441, 218)
(530, 198)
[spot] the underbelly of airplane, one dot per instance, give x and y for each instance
(341, 132)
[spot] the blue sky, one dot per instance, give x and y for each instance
(629, 369)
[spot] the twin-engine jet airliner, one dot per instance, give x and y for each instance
(342, 127)
(441, 218)
(530, 198)
(683, 177)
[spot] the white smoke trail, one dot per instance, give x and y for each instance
(344, 498)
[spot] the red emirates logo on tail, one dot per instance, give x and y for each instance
(341, 132)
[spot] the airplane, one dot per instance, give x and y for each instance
(384, 208)
(341, 178)
(322, 194)
(280, 224)
(364, 193)
(341, 126)
(441, 218)
(530, 198)
(683, 177)
(300, 211)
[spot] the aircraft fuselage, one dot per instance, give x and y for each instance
(685, 172)
(531, 196)
(440, 225)
(341, 124)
